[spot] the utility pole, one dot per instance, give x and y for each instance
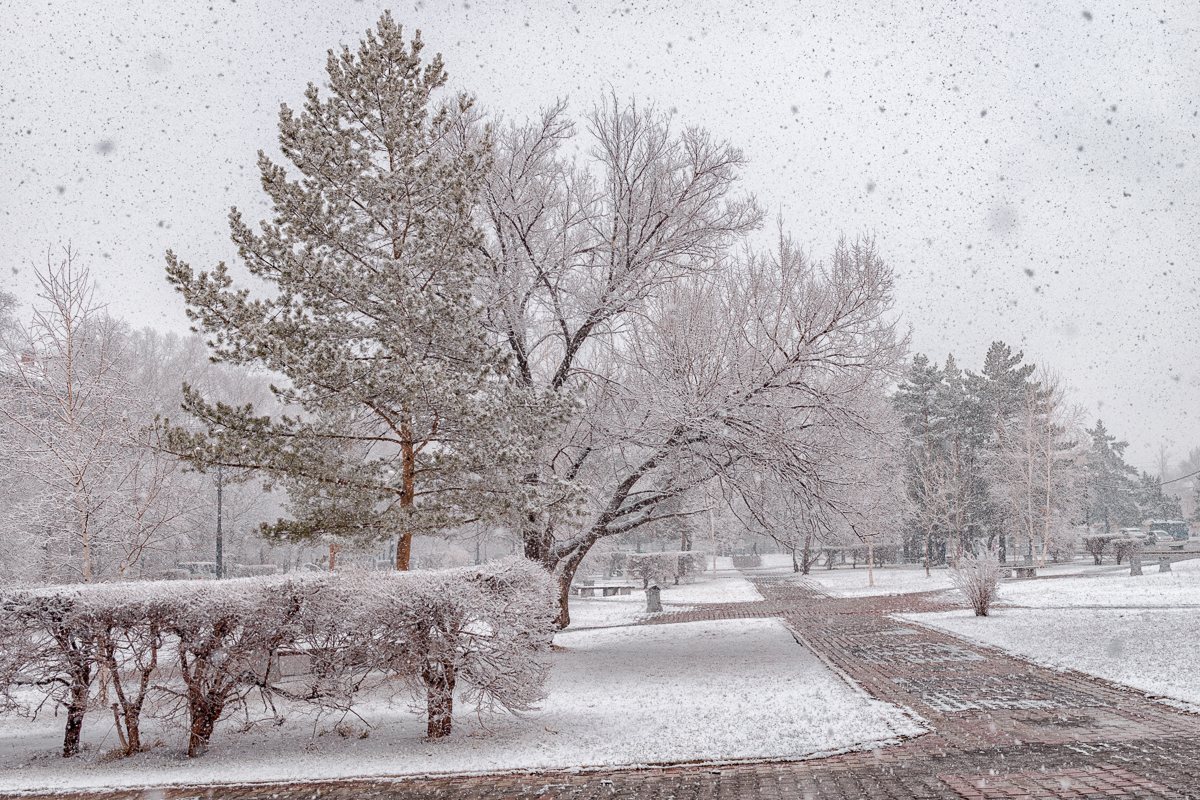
(220, 543)
(712, 528)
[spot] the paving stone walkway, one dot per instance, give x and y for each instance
(1001, 727)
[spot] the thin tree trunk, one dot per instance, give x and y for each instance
(870, 560)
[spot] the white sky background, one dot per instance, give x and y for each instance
(1030, 173)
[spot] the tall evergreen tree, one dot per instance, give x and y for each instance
(1001, 389)
(964, 437)
(918, 403)
(1153, 503)
(1109, 492)
(405, 419)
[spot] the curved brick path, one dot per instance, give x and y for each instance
(1000, 727)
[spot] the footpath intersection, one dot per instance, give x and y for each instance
(1001, 727)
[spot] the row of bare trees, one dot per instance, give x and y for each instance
(89, 495)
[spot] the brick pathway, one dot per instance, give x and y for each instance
(1001, 727)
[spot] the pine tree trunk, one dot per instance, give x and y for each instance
(403, 551)
(408, 459)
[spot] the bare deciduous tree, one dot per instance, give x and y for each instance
(689, 365)
(1038, 467)
(97, 495)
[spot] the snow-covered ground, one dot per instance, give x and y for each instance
(701, 691)
(846, 582)
(729, 586)
(1098, 589)
(1110, 587)
(1143, 631)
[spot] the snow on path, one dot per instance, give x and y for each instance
(1152, 650)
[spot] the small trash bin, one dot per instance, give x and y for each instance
(652, 602)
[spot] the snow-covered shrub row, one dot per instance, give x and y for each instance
(671, 566)
(198, 649)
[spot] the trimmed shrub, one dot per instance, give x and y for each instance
(485, 630)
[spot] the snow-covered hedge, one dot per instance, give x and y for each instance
(201, 647)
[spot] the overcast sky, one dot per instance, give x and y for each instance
(1028, 167)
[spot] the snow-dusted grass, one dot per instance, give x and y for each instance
(727, 690)
(601, 612)
(847, 582)
(1149, 589)
(1111, 587)
(725, 589)
(1140, 631)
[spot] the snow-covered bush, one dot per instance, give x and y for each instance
(1096, 544)
(1126, 547)
(47, 642)
(1062, 543)
(129, 627)
(485, 630)
(978, 578)
(227, 634)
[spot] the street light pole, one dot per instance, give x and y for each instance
(220, 555)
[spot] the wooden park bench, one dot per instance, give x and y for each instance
(587, 590)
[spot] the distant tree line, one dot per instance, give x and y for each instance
(999, 460)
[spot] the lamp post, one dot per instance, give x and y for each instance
(220, 543)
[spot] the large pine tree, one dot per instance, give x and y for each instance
(1110, 496)
(403, 416)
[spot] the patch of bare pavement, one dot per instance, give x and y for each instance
(1001, 727)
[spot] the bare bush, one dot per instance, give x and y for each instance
(978, 578)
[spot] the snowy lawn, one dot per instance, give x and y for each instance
(1111, 587)
(847, 582)
(1143, 631)
(601, 612)
(1096, 583)
(719, 691)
